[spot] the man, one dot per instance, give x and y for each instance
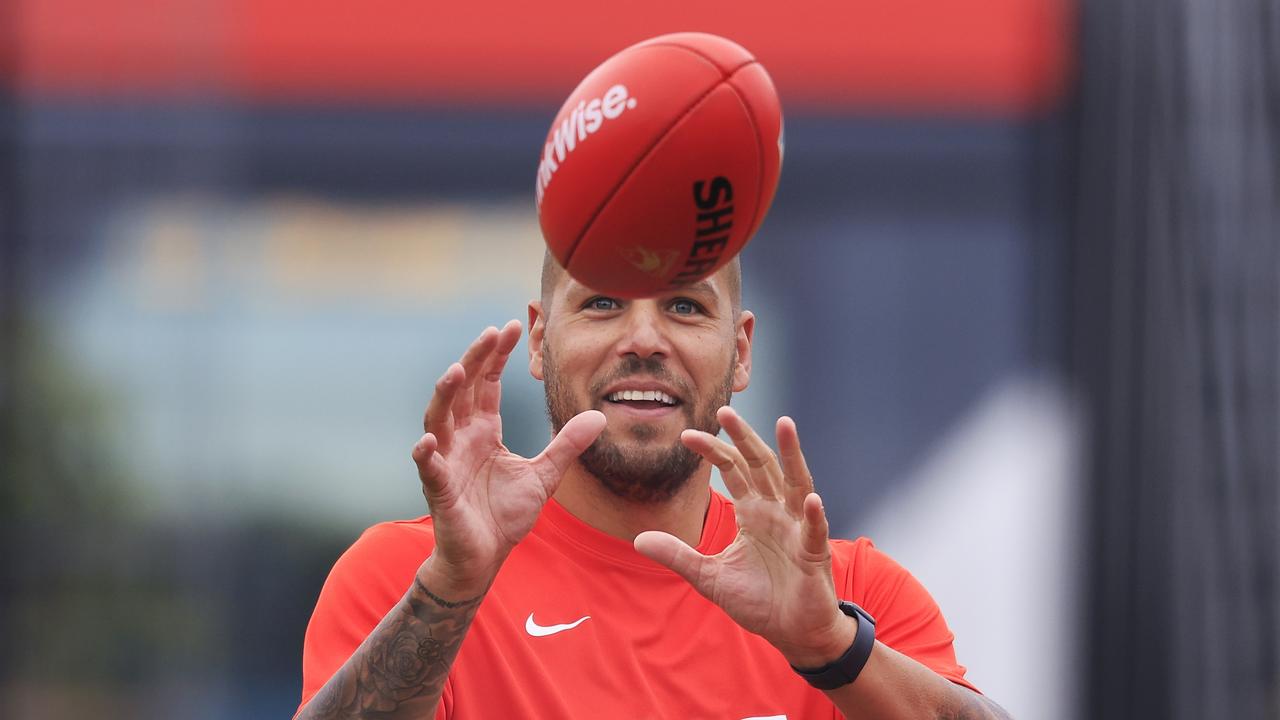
(604, 578)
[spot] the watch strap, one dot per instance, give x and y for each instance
(846, 668)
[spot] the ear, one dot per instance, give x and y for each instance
(537, 333)
(742, 341)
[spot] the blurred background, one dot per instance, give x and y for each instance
(1018, 288)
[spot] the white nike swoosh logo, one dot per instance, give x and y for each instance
(537, 630)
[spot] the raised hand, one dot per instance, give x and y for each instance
(774, 579)
(483, 498)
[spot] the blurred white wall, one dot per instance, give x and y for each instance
(989, 523)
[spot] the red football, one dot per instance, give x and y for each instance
(660, 165)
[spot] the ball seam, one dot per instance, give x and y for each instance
(760, 154)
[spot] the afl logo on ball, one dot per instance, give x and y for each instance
(653, 262)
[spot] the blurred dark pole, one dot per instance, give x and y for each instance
(10, 225)
(1175, 339)
(10, 298)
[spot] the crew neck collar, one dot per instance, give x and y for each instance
(718, 530)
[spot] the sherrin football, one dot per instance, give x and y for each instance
(660, 165)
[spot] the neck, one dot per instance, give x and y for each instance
(683, 515)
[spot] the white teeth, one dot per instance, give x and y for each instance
(650, 395)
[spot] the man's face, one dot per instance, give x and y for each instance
(653, 366)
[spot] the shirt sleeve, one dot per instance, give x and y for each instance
(907, 618)
(364, 584)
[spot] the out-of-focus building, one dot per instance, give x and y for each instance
(246, 237)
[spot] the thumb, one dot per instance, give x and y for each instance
(576, 436)
(666, 549)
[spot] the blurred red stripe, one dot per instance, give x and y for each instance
(996, 55)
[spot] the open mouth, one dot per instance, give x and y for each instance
(642, 399)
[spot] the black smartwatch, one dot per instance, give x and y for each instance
(845, 669)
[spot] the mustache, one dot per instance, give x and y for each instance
(650, 367)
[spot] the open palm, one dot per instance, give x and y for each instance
(484, 499)
(774, 579)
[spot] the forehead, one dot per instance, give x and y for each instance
(724, 283)
(711, 290)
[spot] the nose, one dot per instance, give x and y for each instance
(644, 334)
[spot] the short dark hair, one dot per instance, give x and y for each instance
(552, 273)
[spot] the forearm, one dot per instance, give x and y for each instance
(400, 669)
(893, 686)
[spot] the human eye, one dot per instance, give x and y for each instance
(601, 303)
(685, 306)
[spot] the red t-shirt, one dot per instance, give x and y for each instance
(649, 646)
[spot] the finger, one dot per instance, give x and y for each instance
(665, 549)
(726, 458)
(576, 436)
(489, 384)
(432, 470)
(814, 531)
(473, 361)
(761, 461)
(438, 419)
(795, 471)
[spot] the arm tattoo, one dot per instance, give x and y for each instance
(441, 601)
(406, 658)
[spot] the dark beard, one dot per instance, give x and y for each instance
(650, 475)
